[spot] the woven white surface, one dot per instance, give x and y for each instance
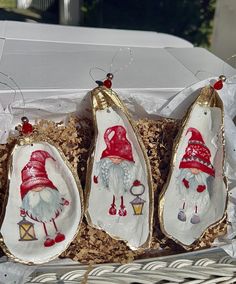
(187, 268)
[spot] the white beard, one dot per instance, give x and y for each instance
(190, 195)
(117, 178)
(43, 206)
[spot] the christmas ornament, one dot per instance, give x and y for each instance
(44, 204)
(218, 85)
(118, 171)
(26, 128)
(194, 198)
(107, 83)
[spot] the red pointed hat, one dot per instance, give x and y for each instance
(34, 173)
(118, 145)
(197, 155)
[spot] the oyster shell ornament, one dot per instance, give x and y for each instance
(44, 203)
(119, 190)
(195, 195)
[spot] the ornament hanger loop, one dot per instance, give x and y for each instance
(232, 57)
(231, 80)
(93, 69)
(121, 51)
(106, 81)
(13, 89)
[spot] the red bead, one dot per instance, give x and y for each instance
(27, 128)
(218, 85)
(107, 83)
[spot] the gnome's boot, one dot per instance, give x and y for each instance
(181, 214)
(112, 210)
(49, 241)
(122, 210)
(59, 237)
(195, 219)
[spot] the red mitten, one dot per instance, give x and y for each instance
(201, 188)
(95, 179)
(65, 202)
(22, 212)
(186, 183)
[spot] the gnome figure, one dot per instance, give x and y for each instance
(195, 173)
(41, 200)
(115, 170)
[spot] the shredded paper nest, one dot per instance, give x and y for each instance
(92, 245)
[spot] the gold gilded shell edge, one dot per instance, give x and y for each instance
(113, 100)
(210, 98)
(27, 141)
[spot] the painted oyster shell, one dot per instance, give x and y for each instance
(44, 204)
(195, 195)
(119, 197)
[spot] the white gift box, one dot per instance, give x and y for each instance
(51, 66)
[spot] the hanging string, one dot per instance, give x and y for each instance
(126, 65)
(17, 87)
(229, 80)
(5, 84)
(111, 67)
(96, 68)
(223, 77)
(209, 74)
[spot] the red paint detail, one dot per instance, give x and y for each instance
(201, 188)
(27, 128)
(186, 183)
(22, 212)
(65, 202)
(117, 145)
(122, 210)
(218, 85)
(196, 135)
(49, 242)
(112, 210)
(136, 183)
(59, 237)
(95, 179)
(197, 154)
(107, 83)
(198, 165)
(34, 173)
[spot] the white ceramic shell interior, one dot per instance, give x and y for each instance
(132, 228)
(68, 220)
(211, 203)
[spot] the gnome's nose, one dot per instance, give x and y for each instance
(38, 188)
